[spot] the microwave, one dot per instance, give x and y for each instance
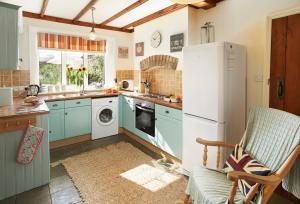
(127, 85)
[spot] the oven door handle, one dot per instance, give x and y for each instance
(144, 109)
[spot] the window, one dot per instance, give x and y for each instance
(95, 65)
(53, 66)
(50, 67)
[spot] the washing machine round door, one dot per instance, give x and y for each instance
(105, 116)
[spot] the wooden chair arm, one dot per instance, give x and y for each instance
(214, 143)
(217, 144)
(234, 176)
(265, 180)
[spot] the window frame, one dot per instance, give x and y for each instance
(63, 52)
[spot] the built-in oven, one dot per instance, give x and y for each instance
(145, 117)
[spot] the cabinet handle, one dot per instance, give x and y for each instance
(78, 102)
(50, 131)
(66, 113)
(167, 112)
(155, 118)
(54, 105)
(110, 101)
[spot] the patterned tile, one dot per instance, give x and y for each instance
(163, 81)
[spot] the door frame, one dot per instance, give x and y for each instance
(267, 63)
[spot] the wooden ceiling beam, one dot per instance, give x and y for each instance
(44, 7)
(85, 9)
(124, 11)
(71, 22)
(165, 11)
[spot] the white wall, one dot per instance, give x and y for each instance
(244, 22)
(173, 23)
(119, 39)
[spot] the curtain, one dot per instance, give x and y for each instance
(68, 42)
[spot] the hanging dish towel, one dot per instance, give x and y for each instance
(30, 144)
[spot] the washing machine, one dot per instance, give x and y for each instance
(104, 117)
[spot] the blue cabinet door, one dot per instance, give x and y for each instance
(128, 114)
(9, 36)
(56, 125)
(77, 121)
(168, 133)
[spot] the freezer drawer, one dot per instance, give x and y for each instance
(194, 127)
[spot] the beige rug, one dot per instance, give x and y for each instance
(121, 173)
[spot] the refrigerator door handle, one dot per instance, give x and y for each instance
(195, 116)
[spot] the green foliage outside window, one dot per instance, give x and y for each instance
(49, 73)
(50, 68)
(95, 69)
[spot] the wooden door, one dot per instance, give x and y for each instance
(292, 72)
(285, 71)
(285, 64)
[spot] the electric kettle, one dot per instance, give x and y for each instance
(32, 90)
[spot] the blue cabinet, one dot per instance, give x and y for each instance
(168, 130)
(77, 121)
(16, 178)
(168, 133)
(56, 124)
(9, 36)
(120, 111)
(129, 114)
(69, 118)
(56, 120)
(168, 126)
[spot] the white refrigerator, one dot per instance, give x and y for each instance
(214, 99)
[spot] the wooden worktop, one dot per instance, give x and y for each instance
(70, 96)
(153, 100)
(18, 109)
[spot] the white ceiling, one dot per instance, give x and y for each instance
(104, 9)
(64, 8)
(144, 10)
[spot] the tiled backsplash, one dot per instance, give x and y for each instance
(163, 81)
(17, 79)
(129, 75)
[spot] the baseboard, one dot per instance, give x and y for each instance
(121, 130)
(149, 146)
(69, 141)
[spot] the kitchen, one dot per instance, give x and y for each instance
(123, 74)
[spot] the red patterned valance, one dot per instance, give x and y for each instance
(67, 42)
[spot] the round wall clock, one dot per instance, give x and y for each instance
(155, 39)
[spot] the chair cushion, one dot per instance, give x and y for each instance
(207, 186)
(239, 160)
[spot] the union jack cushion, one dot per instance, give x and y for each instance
(239, 160)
